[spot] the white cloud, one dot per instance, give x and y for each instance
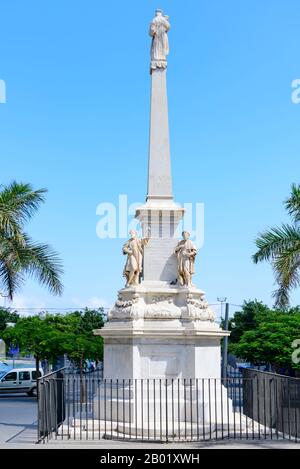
(26, 304)
(93, 302)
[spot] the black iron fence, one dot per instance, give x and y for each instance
(88, 407)
(273, 400)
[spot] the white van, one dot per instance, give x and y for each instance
(20, 380)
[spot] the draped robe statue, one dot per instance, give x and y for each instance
(160, 44)
(186, 253)
(134, 249)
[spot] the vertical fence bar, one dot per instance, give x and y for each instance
(148, 408)
(265, 413)
(130, 403)
(167, 423)
(296, 395)
(99, 407)
(154, 408)
(178, 405)
(184, 398)
(276, 407)
(270, 416)
(252, 402)
(117, 408)
(105, 414)
(173, 430)
(258, 406)
(246, 386)
(68, 404)
(232, 383)
(289, 408)
(92, 409)
(45, 427)
(209, 407)
(197, 406)
(123, 409)
(216, 410)
(222, 413)
(80, 407)
(86, 408)
(135, 405)
(111, 408)
(240, 405)
(203, 409)
(160, 410)
(74, 407)
(297, 409)
(282, 396)
(142, 408)
(191, 408)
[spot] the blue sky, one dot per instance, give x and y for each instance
(76, 121)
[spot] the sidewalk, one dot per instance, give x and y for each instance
(26, 439)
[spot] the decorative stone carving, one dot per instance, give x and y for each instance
(160, 44)
(125, 308)
(186, 253)
(198, 309)
(158, 299)
(134, 249)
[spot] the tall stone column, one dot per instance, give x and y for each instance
(159, 171)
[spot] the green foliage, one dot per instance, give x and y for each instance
(246, 319)
(81, 344)
(281, 247)
(21, 257)
(6, 315)
(271, 341)
(262, 335)
(50, 336)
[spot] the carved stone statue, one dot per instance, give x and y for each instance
(186, 253)
(134, 249)
(160, 44)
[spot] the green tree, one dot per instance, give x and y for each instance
(272, 341)
(41, 336)
(247, 319)
(6, 315)
(81, 343)
(281, 246)
(49, 336)
(20, 256)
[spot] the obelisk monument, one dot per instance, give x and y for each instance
(160, 326)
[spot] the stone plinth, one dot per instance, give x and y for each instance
(156, 330)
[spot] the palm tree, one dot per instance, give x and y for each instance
(281, 246)
(19, 255)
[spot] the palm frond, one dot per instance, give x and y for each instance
(11, 278)
(273, 242)
(19, 201)
(42, 262)
(292, 204)
(287, 275)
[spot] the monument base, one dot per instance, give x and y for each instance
(156, 330)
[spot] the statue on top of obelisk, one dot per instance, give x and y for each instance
(159, 28)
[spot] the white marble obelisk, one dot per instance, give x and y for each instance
(159, 173)
(160, 326)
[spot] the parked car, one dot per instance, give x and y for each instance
(20, 380)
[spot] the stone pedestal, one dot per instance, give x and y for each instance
(160, 331)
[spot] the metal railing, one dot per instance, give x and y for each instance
(91, 408)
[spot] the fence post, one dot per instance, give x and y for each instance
(225, 344)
